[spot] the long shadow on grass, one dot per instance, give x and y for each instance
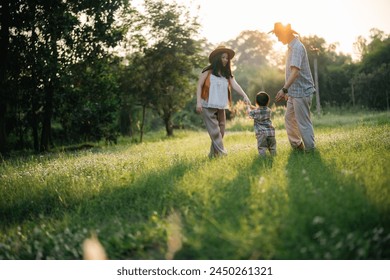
(130, 220)
(220, 227)
(152, 191)
(329, 215)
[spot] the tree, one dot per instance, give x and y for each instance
(372, 76)
(47, 38)
(254, 69)
(253, 48)
(364, 83)
(6, 9)
(170, 58)
(70, 39)
(134, 92)
(87, 111)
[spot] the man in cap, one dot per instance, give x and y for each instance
(298, 90)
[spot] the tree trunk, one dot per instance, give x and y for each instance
(318, 103)
(35, 135)
(34, 101)
(3, 135)
(168, 124)
(4, 42)
(353, 92)
(142, 123)
(34, 125)
(47, 114)
(126, 122)
(50, 87)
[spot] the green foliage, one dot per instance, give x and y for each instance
(371, 79)
(169, 60)
(50, 40)
(332, 204)
(364, 83)
(87, 108)
(252, 48)
(255, 71)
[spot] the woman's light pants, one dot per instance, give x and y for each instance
(215, 120)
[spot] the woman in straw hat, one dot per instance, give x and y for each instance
(214, 96)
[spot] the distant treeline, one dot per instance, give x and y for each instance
(76, 71)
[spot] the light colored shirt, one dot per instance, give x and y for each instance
(297, 56)
(218, 93)
(262, 121)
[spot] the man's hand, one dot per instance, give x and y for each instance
(281, 96)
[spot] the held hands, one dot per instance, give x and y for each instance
(247, 101)
(281, 96)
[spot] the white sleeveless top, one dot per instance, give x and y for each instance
(218, 93)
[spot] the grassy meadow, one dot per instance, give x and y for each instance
(165, 198)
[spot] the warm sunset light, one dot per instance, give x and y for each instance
(335, 21)
(195, 139)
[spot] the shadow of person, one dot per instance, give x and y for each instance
(329, 215)
(129, 217)
(226, 224)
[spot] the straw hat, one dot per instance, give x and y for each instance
(279, 28)
(221, 49)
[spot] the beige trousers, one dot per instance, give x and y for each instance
(215, 120)
(298, 122)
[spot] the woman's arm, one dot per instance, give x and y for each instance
(248, 110)
(202, 78)
(239, 90)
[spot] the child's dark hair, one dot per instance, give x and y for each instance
(262, 98)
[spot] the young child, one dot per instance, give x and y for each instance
(265, 132)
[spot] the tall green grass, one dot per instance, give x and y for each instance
(139, 199)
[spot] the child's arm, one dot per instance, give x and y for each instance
(249, 108)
